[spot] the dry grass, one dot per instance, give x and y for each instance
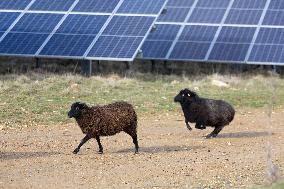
(36, 99)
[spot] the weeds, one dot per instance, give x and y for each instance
(36, 99)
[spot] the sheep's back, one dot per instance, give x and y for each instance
(220, 113)
(116, 117)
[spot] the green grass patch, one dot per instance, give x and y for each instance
(36, 99)
(277, 185)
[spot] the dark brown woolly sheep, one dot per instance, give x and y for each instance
(105, 120)
(205, 112)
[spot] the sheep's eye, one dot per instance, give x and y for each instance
(182, 95)
(188, 94)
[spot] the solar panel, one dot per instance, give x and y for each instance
(14, 4)
(141, 6)
(102, 6)
(37, 22)
(121, 37)
(52, 5)
(67, 45)
(82, 24)
(269, 46)
(74, 36)
(221, 31)
(115, 47)
(21, 43)
(195, 39)
(6, 19)
(76, 28)
(206, 15)
(174, 14)
(161, 39)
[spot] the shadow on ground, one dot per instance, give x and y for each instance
(248, 134)
(160, 149)
(25, 155)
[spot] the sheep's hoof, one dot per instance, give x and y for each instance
(76, 151)
(100, 152)
(189, 128)
(210, 136)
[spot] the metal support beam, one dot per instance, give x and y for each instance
(153, 66)
(128, 65)
(86, 68)
(37, 63)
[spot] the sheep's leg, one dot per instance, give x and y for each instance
(187, 125)
(83, 141)
(215, 132)
(134, 139)
(100, 145)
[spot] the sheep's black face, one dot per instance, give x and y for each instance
(184, 96)
(76, 109)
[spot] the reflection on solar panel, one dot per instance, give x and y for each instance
(239, 31)
(85, 29)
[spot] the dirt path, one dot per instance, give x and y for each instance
(170, 155)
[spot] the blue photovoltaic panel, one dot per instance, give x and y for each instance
(201, 15)
(174, 14)
(276, 4)
(194, 42)
(164, 32)
(1, 33)
(82, 24)
(52, 5)
(198, 33)
(274, 17)
(141, 6)
(229, 52)
(21, 43)
(156, 49)
(180, 3)
(236, 34)
(249, 4)
(238, 16)
(37, 22)
(129, 25)
(270, 36)
(67, 45)
(232, 44)
(6, 19)
(267, 53)
(269, 46)
(116, 47)
(189, 51)
(103, 6)
(159, 42)
(213, 3)
(14, 4)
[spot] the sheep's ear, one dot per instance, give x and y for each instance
(82, 104)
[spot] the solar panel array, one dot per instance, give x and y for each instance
(239, 31)
(85, 29)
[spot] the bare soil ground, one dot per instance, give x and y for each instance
(170, 155)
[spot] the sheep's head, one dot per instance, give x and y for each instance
(76, 109)
(185, 95)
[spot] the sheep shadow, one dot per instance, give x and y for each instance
(25, 155)
(161, 149)
(248, 134)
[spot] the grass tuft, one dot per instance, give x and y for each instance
(36, 99)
